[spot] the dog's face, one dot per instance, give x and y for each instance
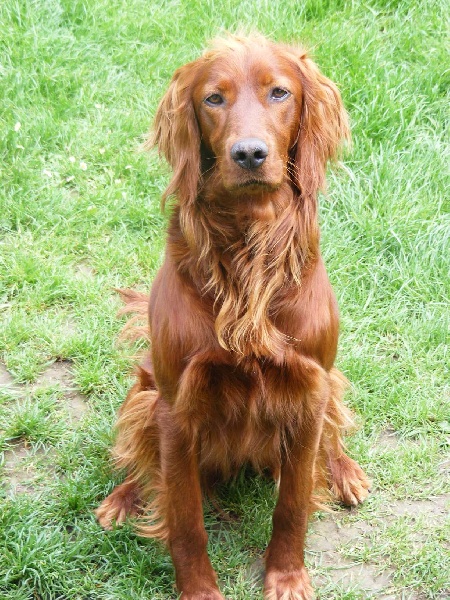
(254, 114)
(248, 107)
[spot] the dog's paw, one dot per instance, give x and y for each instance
(120, 504)
(288, 585)
(350, 484)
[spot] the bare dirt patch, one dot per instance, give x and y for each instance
(60, 374)
(326, 538)
(26, 468)
(22, 467)
(435, 509)
(388, 439)
(5, 377)
(20, 475)
(83, 270)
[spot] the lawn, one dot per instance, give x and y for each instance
(79, 215)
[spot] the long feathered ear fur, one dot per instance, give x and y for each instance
(176, 133)
(323, 127)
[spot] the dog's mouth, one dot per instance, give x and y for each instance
(253, 186)
(253, 182)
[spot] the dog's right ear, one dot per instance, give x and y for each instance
(177, 135)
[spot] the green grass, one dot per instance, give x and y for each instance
(79, 215)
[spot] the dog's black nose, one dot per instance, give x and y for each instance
(249, 153)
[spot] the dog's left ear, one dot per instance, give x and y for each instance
(323, 126)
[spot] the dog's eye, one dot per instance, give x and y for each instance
(279, 94)
(214, 100)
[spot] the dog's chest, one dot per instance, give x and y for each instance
(243, 412)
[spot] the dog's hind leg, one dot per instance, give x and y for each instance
(347, 481)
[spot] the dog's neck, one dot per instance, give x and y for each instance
(243, 252)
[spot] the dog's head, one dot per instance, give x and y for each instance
(255, 112)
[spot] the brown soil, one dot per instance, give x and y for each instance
(21, 461)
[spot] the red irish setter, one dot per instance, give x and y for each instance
(243, 322)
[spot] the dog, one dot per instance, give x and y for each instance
(242, 319)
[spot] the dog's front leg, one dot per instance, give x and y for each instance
(286, 575)
(187, 538)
